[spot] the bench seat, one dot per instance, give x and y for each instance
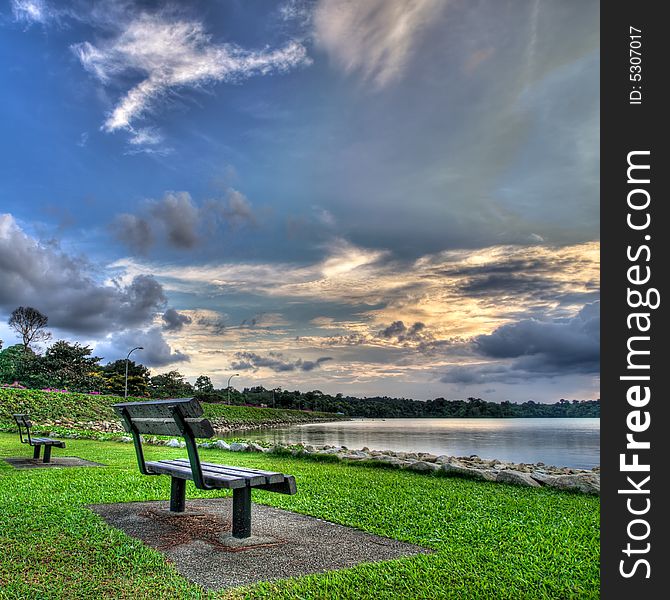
(47, 442)
(219, 476)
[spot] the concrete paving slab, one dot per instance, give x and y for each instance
(284, 544)
(56, 461)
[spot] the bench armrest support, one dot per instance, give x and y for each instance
(137, 442)
(191, 449)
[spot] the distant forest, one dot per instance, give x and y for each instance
(386, 407)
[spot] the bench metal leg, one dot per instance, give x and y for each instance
(178, 495)
(36, 452)
(242, 512)
(47, 454)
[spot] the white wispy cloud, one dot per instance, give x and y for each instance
(172, 54)
(376, 37)
(32, 11)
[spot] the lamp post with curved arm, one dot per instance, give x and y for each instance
(125, 387)
(228, 386)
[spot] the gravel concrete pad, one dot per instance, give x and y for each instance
(56, 461)
(284, 544)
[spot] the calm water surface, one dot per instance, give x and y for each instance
(562, 442)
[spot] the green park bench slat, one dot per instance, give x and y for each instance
(267, 476)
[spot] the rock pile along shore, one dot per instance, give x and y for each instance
(473, 467)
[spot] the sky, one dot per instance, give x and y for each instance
(386, 197)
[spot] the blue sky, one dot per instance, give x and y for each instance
(373, 197)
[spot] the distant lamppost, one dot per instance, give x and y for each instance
(125, 387)
(228, 386)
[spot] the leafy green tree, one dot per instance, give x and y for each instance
(204, 384)
(23, 366)
(170, 385)
(71, 366)
(114, 378)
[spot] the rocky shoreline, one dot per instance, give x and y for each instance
(472, 467)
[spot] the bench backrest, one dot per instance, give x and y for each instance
(180, 417)
(157, 417)
(23, 421)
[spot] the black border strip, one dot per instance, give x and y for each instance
(628, 127)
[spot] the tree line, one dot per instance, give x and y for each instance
(73, 367)
(388, 407)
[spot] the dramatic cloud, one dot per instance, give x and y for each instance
(401, 332)
(375, 37)
(171, 53)
(274, 361)
(179, 221)
(156, 351)
(175, 321)
(64, 288)
(234, 208)
(179, 216)
(531, 348)
(135, 232)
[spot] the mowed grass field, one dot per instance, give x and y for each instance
(491, 540)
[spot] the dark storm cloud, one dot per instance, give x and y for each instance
(274, 361)
(175, 321)
(530, 348)
(135, 232)
(399, 331)
(179, 222)
(179, 217)
(510, 284)
(216, 325)
(156, 351)
(64, 288)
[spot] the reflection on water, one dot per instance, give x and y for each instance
(562, 442)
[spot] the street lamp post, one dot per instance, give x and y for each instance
(125, 387)
(228, 386)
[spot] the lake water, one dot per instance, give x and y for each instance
(561, 442)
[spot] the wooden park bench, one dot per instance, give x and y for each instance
(23, 421)
(183, 418)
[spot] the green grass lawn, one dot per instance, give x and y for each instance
(492, 540)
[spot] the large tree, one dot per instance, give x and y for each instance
(170, 385)
(71, 366)
(22, 366)
(113, 375)
(30, 324)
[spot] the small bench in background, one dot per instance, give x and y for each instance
(183, 418)
(23, 421)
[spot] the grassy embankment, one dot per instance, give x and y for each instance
(78, 410)
(491, 540)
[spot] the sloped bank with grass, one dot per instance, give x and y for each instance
(93, 412)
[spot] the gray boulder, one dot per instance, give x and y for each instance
(516, 478)
(587, 483)
(423, 466)
(239, 447)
